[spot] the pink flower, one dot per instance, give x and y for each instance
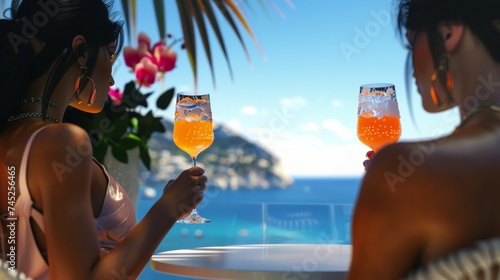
(165, 57)
(116, 96)
(132, 56)
(145, 71)
(144, 40)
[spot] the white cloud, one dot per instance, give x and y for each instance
(311, 139)
(310, 127)
(249, 110)
(338, 128)
(234, 124)
(311, 157)
(336, 103)
(293, 102)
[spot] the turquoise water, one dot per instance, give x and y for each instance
(310, 211)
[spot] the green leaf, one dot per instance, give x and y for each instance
(202, 30)
(135, 123)
(129, 98)
(160, 17)
(189, 38)
(231, 22)
(118, 128)
(209, 12)
(100, 150)
(129, 143)
(157, 125)
(119, 153)
(144, 155)
(126, 12)
(165, 99)
(14, 7)
(133, 136)
(145, 123)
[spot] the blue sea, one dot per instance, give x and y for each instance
(312, 210)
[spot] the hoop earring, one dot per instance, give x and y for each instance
(434, 96)
(449, 82)
(78, 89)
(443, 67)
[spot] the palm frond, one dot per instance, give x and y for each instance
(200, 21)
(13, 8)
(160, 17)
(128, 21)
(188, 33)
(203, 13)
(210, 14)
(243, 21)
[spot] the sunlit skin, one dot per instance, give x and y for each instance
(70, 205)
(420, 201)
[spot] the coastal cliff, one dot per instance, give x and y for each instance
(231, 162)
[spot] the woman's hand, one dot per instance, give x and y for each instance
(185, 192)
(369, 155)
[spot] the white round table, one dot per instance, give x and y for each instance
(263, 261)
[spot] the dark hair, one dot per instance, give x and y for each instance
(481, 16)
(54, 24)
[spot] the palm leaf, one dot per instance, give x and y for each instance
(229, 19)
(188, 33)
(243, 21)
(133, 16)
(209, 12)
(14, 6)
(160, 17)
(130, 11)
(202, 30)
(197, 10)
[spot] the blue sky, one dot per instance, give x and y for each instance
(300, 100)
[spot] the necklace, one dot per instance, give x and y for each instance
(466, 117)
(32, 115)
(37, 100)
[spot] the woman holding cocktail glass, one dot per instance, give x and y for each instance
(71, 219)
(429, 209)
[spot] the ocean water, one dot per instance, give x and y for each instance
(312, 210)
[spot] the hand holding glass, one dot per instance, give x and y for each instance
(193, 133)
(378, 116)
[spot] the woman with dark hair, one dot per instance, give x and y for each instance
(63, 216)
(429, 209)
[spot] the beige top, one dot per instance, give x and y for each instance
(116, 219)
(468, 262)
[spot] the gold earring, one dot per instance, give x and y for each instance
(434, 96)
(78, 85)
(449, 82)
(443, 67)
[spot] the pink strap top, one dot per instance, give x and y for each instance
(116, 219)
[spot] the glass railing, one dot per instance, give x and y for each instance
(260, 223)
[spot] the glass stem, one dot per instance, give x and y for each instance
(194, 161)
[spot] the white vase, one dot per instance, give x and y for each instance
(126, 174)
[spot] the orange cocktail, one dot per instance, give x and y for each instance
(193, 137)
(377, 132)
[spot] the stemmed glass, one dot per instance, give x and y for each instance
(378, 116)
(193, 133)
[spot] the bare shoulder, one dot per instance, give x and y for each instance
(64, 133)
(388, 215)
(60, 149)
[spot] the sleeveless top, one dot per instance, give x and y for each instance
(116, 219)
(465, 263)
